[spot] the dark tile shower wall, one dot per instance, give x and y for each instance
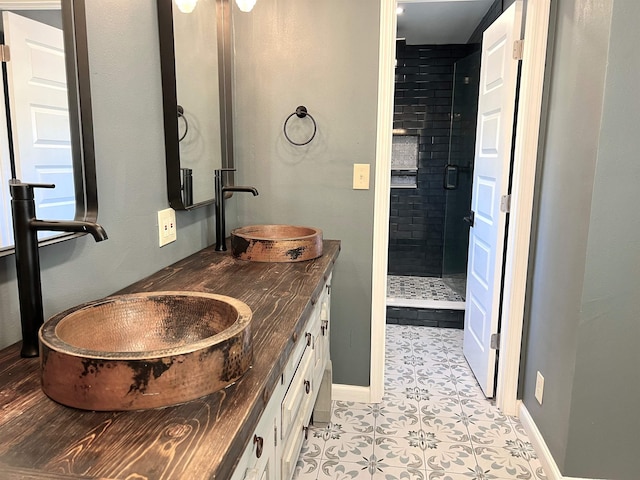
(423, 91)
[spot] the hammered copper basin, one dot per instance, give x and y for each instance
(146, 350)
(276, 243)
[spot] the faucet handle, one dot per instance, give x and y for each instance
(16, 182)
(24, 190)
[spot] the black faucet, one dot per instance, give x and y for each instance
(221, 246)
(25, 232)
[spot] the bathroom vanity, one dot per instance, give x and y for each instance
(252, 429)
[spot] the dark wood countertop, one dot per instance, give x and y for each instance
(202, 439)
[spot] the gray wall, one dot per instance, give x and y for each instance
(604, 422)
(127, 110)
(322, 55)
(584, 302)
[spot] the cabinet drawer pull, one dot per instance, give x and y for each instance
(324, 327)
(307, 386)
(259, 443)
(308, 335)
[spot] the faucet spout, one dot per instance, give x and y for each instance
(25, 228)
(98, 233)
(220, 190)
(241, 189)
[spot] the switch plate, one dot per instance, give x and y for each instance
(539, 387)
(361, 176)
(167, 226)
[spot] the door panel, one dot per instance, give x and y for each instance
(40, 113)
(496, 106)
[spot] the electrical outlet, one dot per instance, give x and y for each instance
(167, 226)
(539, 387)
(361, 176)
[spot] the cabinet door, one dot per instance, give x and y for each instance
(259, 460)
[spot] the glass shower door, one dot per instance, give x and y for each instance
(458, 174)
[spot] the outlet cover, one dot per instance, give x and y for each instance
(167, 226)
(539, 387)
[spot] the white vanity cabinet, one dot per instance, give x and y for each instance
(274, 448)
(259, 459)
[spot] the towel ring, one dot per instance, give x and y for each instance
(300, 112)
(186, 123)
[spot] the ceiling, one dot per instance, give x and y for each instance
(433, 22)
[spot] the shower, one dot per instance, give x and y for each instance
(432, 164)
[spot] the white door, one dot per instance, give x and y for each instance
(40, 112)
(494, 135)
(6, 226)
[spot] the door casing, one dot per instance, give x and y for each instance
(517, 253)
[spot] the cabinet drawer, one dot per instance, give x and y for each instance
(301, 389)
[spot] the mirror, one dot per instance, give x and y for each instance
(46, 133)
(195, 60)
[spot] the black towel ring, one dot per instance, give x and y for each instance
(186, 123)
(300, 112)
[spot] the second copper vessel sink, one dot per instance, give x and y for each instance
(276, 243)
(146, 350)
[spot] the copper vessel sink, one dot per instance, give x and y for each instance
(276, 243)
(146, 350)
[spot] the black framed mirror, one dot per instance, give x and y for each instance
(46, 132)
(195, 60)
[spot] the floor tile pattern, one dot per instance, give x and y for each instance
(423, 288)
(432, 424)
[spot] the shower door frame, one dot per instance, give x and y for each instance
(524, 174)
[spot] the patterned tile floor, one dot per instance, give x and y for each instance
(424, 288)
(433, 423)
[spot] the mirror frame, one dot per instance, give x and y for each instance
(170, 101)
(74, 26)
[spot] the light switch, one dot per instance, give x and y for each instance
(361, 176)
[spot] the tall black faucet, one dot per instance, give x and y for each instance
(221, 246)
(25, 232)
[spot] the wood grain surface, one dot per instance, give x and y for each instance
(201, 439)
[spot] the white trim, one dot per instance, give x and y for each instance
(517, 255)
(387, 48)
(549, 464)
(350, 393)
(33, 5)
(524, 170)
(420, 303)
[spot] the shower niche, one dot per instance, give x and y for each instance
(404, 161)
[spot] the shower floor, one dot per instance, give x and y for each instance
(422, 292)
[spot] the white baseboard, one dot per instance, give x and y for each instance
(351, 393)
(544, 454)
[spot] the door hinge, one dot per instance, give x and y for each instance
(505, 203)
(495, 341)
(518, 49)
(5, 53)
